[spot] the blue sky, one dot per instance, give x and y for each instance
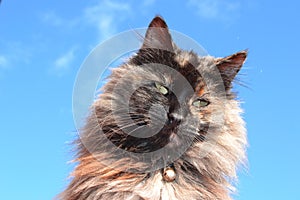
(43, 43)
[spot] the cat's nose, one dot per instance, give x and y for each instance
(175, 118)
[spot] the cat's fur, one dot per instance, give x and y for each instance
(205, 170)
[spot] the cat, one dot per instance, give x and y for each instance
(167, 125)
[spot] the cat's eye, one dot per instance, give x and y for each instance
(200, 103)
(161, 89)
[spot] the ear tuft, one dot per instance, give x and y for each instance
(230, 66)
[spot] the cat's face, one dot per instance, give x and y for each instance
(161, 105)
(166, 98)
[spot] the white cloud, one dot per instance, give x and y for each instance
(53, 19)
(14, 54)
(215, 9)
(106, 15)
(3, 62)
(148, 2)
(56, 20)
(64, 62)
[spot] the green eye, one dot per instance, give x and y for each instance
(161, 89)
(200, 103)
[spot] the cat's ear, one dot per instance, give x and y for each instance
(230, 66)
(157, 35)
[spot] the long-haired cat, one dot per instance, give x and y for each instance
(166, 126)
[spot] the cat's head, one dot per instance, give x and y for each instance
(168, 99)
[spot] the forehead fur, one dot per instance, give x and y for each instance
(199, 71)
(185, 63)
